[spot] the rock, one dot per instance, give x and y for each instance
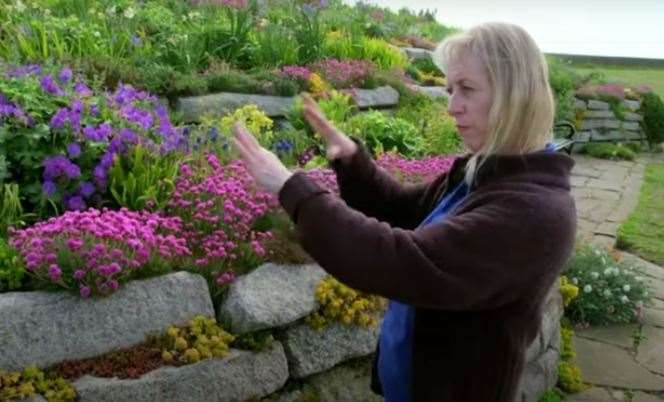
(580, 104)
(271, 296)
(591, 395)
(617, 335)
(611, 123)
(631, 126)
(597, 105)
(44, 328)
(310, 351)
(631, 116)
(240, 376)
(632, 105)
(195, 107)
(590, 124)
(611, 366)
(348, 382)
(553, 311)
(380, 97)
(417, 53)
(599, 114)
(651, 351)
(432, 92)
(539, 376)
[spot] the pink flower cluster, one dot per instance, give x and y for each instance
(408, 170)
(297, 73)
(344, 73)
(616, 91)
(415, 170)
(95, 250)
(219, 204)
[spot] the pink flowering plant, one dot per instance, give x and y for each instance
(60, 138)
(344, 73)
(219, 205)
(93, 252)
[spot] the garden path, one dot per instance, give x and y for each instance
(605, 193)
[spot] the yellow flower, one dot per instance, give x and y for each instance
(317, 85)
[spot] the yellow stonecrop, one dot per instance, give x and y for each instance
(568, 290)
(17, 386)
(569, 377)
(430, 79)
(202, 338)
(339, 302)
(256, 121)
(317, 84)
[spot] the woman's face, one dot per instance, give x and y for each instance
(470, 99)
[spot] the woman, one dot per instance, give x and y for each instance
(467, 259)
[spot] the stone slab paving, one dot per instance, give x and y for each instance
(606, 193)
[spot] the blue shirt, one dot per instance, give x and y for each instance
(395, 343)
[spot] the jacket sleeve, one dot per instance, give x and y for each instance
(370, 189)
(484, 257)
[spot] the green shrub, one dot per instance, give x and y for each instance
(610, 291)
(12, 270)
(381, 133)
(608, 150)
(436, 127)
(653, 117)
(275, 46)
(384, 55)
(143, 179)
(561, 79)
(552, 395)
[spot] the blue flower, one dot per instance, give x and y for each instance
(49, 85)
(49, 188)
(74, 150)
(86, 189)
(65, 75)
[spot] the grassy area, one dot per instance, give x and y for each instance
(643, 232)
(627, 75)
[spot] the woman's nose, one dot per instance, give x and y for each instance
(454, 105)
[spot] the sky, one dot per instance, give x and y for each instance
(624, 28)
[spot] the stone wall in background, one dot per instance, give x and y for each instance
(596, 121)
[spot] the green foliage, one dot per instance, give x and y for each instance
(561, 79)
(643, 231)
(608, 150)
(384, 55)
(552, 395)
(569, 374)
(275, 46)
(143, 179)
(16, 386)
(12, 270)
(436, 127)
(256, 341)
(381, 133)
(337, 107)
(11, 211)
(653, 117)
(611, 291)
(427, 65)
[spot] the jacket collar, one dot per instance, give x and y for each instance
(544, 168)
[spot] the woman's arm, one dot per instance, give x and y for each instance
(494, 252)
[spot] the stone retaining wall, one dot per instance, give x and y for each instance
(599, 123)
(45, 328)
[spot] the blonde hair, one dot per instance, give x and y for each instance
(522, 108)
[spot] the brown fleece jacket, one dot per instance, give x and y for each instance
(477, 279)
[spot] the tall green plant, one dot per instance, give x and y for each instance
(143, 180)
(11, 211)
(653, 117)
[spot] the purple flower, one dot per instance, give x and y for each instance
(49, 85)
(129, 136)
(54, 272)
(79, 274)
(65, 75)
(74, 150)
(85, 291)
(59, 118)
(86, 189)
(82, 89)
(49, 188)
(58, 166)
(94, 110)
(22, 71)
(107, 160)
(117, 147)
(76, 203)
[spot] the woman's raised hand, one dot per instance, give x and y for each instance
(264, 166)
(338, 145)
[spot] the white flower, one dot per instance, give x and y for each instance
(111, 10)
(638, 278)
(129, 13)
(607, 272)
(616, 271)
(20, 7)
(587, 288)
(624, 299)
(607, 293)
(575, 281)
(603, 260)
(96, 34)
(626, 288)
(594, 275)
(47, 12)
